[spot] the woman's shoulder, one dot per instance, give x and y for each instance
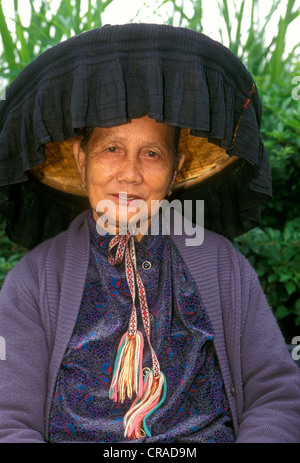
(213, 248)
(194, 240)
(217, 267)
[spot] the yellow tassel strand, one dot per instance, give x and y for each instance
(125, 383)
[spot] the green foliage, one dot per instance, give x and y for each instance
(281, 134)
(178, 17)
(275, 255)
(274, 248)
(274, 66)
(10, 254)
(46, 28)
(244, 36)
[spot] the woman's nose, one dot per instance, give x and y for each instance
(130, 170)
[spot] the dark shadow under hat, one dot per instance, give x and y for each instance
(104, 77)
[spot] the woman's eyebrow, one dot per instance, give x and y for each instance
(121, 138)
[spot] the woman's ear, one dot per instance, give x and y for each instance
(80, 158)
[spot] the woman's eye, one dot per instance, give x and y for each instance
(152, 154)
(112, 149)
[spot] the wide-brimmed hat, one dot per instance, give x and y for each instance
(106, 76)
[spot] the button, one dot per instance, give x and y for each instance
(146, 265)
(232, 389)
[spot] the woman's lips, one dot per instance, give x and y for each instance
(125, 198)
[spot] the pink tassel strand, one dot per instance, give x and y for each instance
(133, 419)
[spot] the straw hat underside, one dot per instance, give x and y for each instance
(203, 161)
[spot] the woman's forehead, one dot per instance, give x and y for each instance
(143, 128)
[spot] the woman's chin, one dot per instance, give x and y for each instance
(136, 224)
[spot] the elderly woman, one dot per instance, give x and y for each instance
(126, 334)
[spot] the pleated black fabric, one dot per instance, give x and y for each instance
(107, 75)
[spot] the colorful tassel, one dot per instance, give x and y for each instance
(144, 406)
(128, 374)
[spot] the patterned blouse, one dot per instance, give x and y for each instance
(196, 407)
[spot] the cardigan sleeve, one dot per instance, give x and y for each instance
(271, 380)
(23, 368)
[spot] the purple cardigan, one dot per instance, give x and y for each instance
(40, 300)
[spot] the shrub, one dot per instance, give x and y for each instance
(275, 255)
(10, 255)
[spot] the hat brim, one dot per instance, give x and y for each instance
(203, 160)
(109, 75)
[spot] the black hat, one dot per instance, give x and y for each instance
(106, 76)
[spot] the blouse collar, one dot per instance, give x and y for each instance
(147, 244)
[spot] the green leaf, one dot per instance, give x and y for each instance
(8, 44)
(297, 305)
(281, 312)
(24, 52)
(271, 278)
(291, 288)
(285, 277)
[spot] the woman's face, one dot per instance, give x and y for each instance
(129, 162)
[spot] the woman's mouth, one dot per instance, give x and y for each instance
(125, 198)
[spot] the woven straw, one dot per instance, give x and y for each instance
(203, 160)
